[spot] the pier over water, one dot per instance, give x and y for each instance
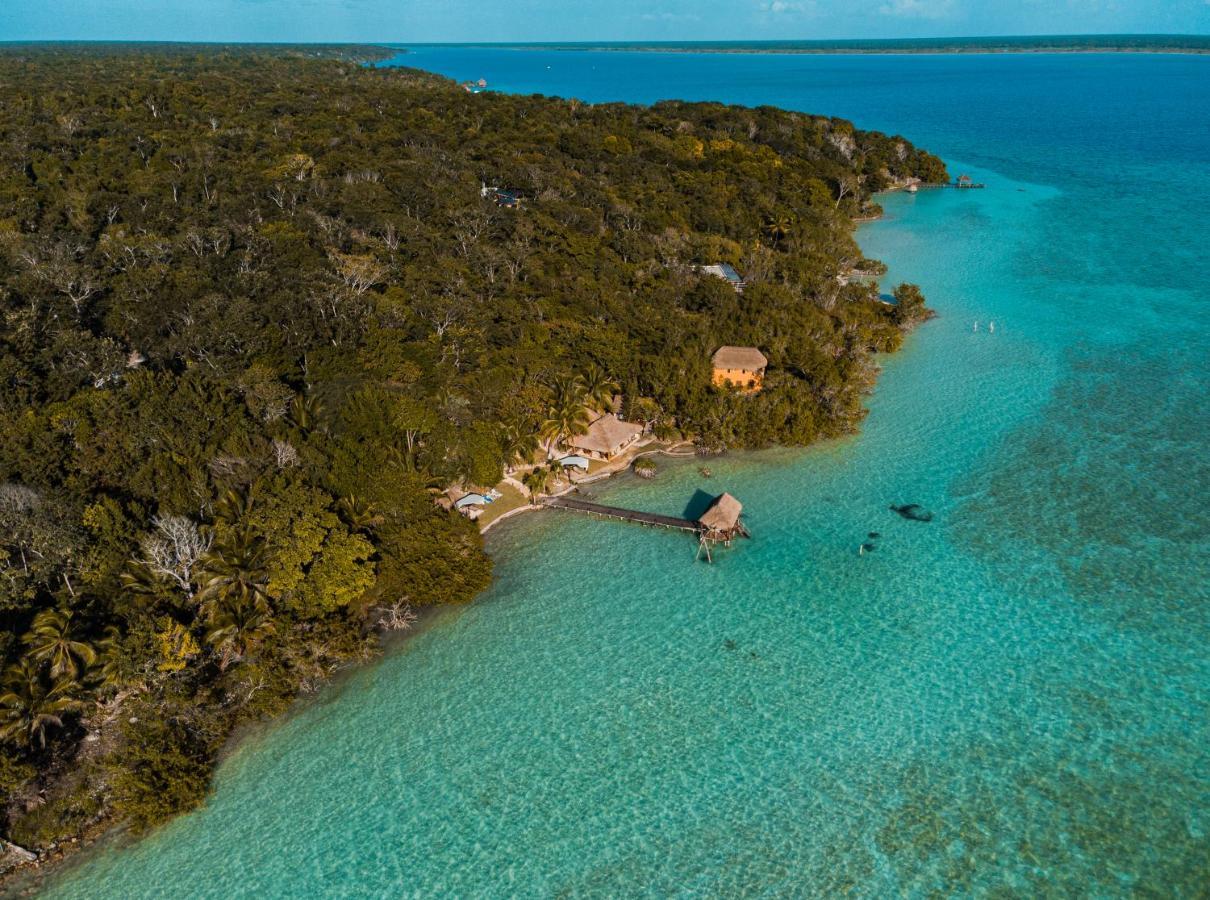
(720, 523)
(627, 515)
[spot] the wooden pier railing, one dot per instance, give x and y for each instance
(627, 515)
(960, 185)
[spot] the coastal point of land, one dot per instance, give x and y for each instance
(289, 331)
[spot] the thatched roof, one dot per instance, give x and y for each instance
(723, 514)
(748, 359)
(606, 435)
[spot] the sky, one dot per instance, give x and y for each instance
(417, 21)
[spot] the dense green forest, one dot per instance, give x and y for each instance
(256, 307)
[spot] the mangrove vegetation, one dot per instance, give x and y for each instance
(259, 306)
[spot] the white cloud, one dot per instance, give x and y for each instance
(790, 7)
(670, 17)
(917, 9)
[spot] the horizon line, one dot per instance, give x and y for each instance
(627, 41)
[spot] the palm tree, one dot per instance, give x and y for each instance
(519, 446)
(233, 507)
(567, 389)
(112, 657)
(50, 639)
(599, 388)
(549, 432)
(137, 579)
(360, 515)
(645, 410)
(539, 480)
(305, 413)
(238, 623)
(234, 570)
(29, 704)
(778, 227)
(568, 416)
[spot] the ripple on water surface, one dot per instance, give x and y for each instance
(1010, 699)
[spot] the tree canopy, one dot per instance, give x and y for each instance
(257, 305)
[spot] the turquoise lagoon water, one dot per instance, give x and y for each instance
(1013, 699)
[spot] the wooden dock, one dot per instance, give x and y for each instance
(958, 185)
(654, 520)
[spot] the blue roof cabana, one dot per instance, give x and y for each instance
(578, 462)
(726, 272)
(471, 500)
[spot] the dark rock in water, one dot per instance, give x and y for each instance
(729, 644)
(873, 535)
(867, 547)
(913, 511)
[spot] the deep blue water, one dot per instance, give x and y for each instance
(1013, 699)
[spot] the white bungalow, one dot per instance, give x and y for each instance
(574, 462)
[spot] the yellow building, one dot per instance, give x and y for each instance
(741, 367)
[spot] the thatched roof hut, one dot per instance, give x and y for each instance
(740, 359)
(723, 515)
(607, 437)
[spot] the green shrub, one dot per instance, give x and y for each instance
(161, 771)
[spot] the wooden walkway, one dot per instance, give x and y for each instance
(973, 186)
(627, 515)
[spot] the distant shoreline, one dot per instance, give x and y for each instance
(971, 51)
(1115, 43)
(380, 51)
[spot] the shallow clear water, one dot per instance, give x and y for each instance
(1011, 699)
